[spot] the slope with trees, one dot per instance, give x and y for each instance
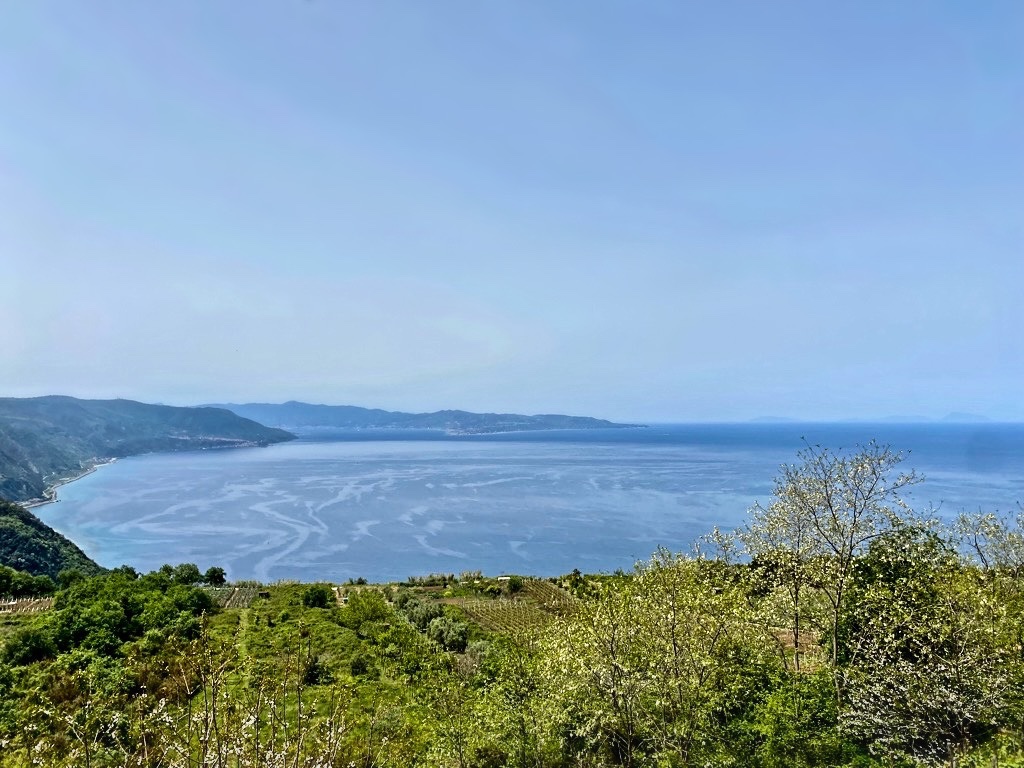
(28, 544)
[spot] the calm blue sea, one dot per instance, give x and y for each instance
(341, 506)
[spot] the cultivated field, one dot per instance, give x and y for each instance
(26, 605)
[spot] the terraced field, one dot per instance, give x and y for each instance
(232, 597)
(535, 606)
(26, 605)
(505, 616)
(547, 596)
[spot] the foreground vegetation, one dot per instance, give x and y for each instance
(837, 628)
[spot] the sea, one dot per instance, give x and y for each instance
(385, 506)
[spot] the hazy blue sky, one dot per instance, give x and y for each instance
(638, 210)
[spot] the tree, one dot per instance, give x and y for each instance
(827, 510)
(455, 724)
(23, 584)
(647, 672)
(516, 715)
(422, 613)
(29, 644)
(795, 725)
(995, 541)
(187, 574)
(215, 576)
(926, 667)
(781, 539)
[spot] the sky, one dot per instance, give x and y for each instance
(656, 211)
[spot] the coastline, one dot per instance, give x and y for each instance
(50, 494)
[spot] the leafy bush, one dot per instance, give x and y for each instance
(104, 612)
(422, 613)
(28, 645)
(449, 634)
(318, 596)
(364, 607)
(314, 672)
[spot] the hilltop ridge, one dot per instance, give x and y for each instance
(298, 416)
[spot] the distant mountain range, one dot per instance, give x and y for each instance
(304, 416)
(44, 440)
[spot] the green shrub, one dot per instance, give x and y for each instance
(28, 645)
(318, 596)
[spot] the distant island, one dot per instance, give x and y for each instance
(45, 441)
(305, 416)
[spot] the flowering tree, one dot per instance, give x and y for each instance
(827, 510)
(927, 671)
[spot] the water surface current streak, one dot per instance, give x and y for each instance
(543, 504)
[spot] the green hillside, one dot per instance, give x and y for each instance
(46, 439)
(28, 544)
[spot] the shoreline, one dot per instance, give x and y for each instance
(50, 494)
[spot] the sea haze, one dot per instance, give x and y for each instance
(387, 506)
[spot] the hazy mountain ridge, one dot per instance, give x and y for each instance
(296, 415)
(44, 440)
